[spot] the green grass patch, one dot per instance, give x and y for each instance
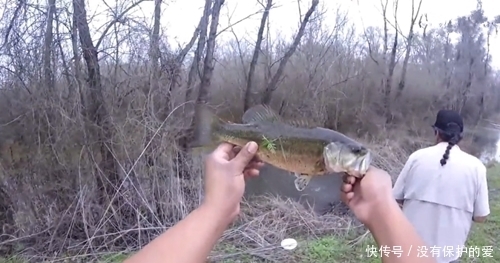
(330, 249)
(114, 258)
(488, 233)
(11, 260)
(334, 249)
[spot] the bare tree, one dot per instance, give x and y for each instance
(154, 55)
(212, 9)
(47, 56)
(392, 63)
(273, 85)
(414, 15)
(96, 111)
(77, 88)
(256, 52)
(208, 64)
(195, 65)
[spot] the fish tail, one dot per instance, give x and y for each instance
(207, 124)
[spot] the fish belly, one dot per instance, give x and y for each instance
(301, 164)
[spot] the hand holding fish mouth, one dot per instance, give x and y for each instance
(225, 171)
(366, 196)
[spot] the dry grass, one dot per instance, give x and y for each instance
(266, 221)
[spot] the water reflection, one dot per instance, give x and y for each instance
(321, 192)
(492, 156)
(487, 141)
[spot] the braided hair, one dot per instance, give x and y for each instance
(452, 136)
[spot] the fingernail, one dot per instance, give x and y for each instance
(252, 147)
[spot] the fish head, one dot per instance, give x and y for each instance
(351, 158)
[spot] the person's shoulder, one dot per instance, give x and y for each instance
(421, 152)
(472, 160)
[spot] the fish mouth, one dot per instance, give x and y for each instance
(346, 159)
(360, 165)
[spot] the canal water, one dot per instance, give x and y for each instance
(320, 194)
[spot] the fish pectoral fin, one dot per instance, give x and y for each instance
(302, 181)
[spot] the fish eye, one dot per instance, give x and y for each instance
(358, 149)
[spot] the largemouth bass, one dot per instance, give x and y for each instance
(294, 146)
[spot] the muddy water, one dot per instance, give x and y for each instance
(319, 194)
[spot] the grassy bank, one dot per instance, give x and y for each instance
(330, 249)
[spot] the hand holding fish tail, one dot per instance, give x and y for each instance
(253, 167)
(192, 239)
(226, 167)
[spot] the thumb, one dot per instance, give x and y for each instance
(244, 156)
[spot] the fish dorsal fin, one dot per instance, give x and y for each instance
(263, 113)
(300, 123)
(260, 113)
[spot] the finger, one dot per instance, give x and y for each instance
(255, 159)
(346, 188)
(224, 150)
(348, 179)
(243, 158)
(224, 147)
(254, 165)
(345, 177)
(346, 197)
(251, 173)
(343, 197)
(349, 196)
(356, 185)
(235, 151)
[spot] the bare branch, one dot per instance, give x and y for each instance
(256, 53)
(117, 19)
(266, 98)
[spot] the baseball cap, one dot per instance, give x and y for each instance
(445, 118)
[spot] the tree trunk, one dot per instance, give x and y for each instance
(273, 84)
(47, 53)
(95, 110)
(255, 56)
(402, 80)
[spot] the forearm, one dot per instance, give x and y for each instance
(391, 228)
(479, 219)
(190, 241)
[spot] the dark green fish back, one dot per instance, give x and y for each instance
(276, 127)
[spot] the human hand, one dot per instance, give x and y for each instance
(368, 195)
(225, 171)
